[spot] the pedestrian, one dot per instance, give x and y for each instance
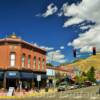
(20, 85)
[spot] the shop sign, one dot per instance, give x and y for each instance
(12, 74)
(38, 77)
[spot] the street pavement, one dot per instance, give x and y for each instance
(88, 93)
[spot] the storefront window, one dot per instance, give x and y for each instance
(43, 62)
(23, 60)
(29, 61)
(12, 59)
(39, 64)
(34, 62)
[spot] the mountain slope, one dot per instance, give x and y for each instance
(85, 64)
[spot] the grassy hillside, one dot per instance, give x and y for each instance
(85, 64)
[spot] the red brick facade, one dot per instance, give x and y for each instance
(19, 47)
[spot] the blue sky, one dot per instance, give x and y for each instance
(26, 18)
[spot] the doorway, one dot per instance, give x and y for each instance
(11, 83)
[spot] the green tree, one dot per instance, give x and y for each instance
(91, 74)
(81, 79)
(49, 64)
(64, 64)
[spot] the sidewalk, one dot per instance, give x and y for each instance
(19, 95)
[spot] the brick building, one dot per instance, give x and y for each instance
(21, 61)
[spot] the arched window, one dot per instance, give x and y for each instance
(29, 61)
(12, 59)
(23, 60)
(43, 64)
(39, 64)
(34, 62)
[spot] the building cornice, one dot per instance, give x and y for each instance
(18, 40)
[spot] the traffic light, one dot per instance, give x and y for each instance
(94, 50)
(74, 53)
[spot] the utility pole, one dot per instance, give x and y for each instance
(54, 71)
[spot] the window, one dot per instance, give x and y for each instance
(39, 64)
(12, 59)
(34, 62)
(43, 64)
(29, 61)
(23, 60)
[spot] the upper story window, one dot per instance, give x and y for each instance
(43, 64)
(39, 64)
(29, 61)
(12, 59)
(23, 60)
(34, 62)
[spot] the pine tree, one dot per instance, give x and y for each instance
(91, 74)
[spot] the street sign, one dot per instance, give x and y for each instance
(38, 77)
(10, 91)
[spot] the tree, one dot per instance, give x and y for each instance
(91, 74)
(80, 79)
(49, 64)
(64, 64)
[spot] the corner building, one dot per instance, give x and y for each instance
(21, 62)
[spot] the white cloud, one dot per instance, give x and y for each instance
(86, 10)
(62, 47)
(69, 44)
(44, 47)
(47, 48)
(85, 27)
(51, 9)
(56, 56)
(74, 20)
(88, 39)
(35, 44)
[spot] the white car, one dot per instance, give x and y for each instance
(72, 87)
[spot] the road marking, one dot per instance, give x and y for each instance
(93, 98)
(77, 97)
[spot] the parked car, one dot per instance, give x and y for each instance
(88, 83)
(94, 84)
(70, 87)
(73, 87)
(62, 86)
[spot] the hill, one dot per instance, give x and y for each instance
(85, 64)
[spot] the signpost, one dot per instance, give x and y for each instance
(10, 91)
(38, 79)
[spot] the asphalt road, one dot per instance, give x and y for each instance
(89, 93)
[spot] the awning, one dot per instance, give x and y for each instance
(43, 76)
(1, 74)
(26, 75)
(12, 74)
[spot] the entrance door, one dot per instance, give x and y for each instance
(11, 83)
